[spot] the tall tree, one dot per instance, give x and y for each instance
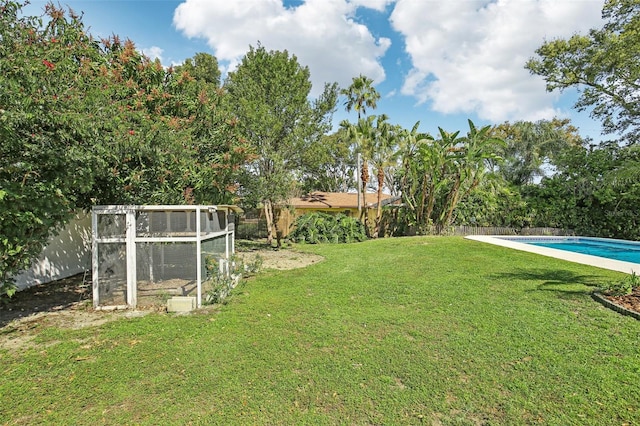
(362, 135)
(531, 146)
(471, 158)
(587, 194)
(414, 174)
(383, 150)
(437, 173)
(269, 96)
(329, 165)
(85, 122)
(604, 64)
(202, 67)
(361, 95)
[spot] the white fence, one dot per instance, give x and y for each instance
(65, 255)
(498, 230)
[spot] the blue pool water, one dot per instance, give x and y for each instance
(627, 251)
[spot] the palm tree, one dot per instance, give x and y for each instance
(383, 151)
(470, 155)
(411, 175)
(361, 95)
(362, 135)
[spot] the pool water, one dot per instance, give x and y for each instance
(627, 251)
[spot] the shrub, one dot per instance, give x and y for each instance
(314, 228)
(220, 281)
(623, 287)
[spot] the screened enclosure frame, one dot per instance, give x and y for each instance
(124, 237)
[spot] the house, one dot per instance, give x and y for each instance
(328, 202)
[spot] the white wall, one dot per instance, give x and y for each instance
(66, 254)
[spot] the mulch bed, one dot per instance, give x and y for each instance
(631, 301)
(626, 305)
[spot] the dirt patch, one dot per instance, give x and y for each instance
(279, 259)
(67, 303)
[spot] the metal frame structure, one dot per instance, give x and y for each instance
(131, 236)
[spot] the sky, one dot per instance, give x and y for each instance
(440, 62)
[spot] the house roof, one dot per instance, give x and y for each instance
(335, 200)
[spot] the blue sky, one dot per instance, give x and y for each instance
(437, 61)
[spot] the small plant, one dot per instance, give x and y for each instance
(219, 279)
(252, 268)
(623, 287)
(222, 277)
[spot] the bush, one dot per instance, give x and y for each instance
(623, 287)
(314, 228)
(220, 281)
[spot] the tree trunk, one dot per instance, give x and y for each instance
(430, 204)
(268, 214)
(452, 201)
(376, 233)
(364, 176)
(277, 232)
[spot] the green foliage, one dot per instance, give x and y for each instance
(604, 64)
(202, 67)
(269, 96)
(221, 280)
(360, 95)
(529, 146)
(437, 173)
(85, 122)
(590, 192)
(314, 228)
(375, 140)
(622, 287)
(328, 165)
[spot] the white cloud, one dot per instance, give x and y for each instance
(321, 33)
(469, 55)
(153, 52)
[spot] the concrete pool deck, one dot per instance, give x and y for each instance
(585, 259)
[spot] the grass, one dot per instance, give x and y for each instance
(396, 331)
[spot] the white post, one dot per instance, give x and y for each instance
(132, 296)
(198, 257)
(94, 258)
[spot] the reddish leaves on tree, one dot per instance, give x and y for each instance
(48, 64)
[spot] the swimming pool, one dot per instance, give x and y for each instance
(618, 255)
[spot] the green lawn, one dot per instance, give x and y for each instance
(421, 330)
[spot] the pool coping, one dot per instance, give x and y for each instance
(585, 259)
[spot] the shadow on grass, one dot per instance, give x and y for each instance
(561, 281)
(50, 297)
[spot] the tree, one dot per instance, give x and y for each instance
(328, 165)
(361, 136)
(605, 64)
(202, 67)
(470, 159)
(85, 122)
(383, 149)
(529, 147)
(361, 95)
(219, 151)
(269, 97)
(413, 177)
(46, 75)
(437, 173)
(586, 193)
